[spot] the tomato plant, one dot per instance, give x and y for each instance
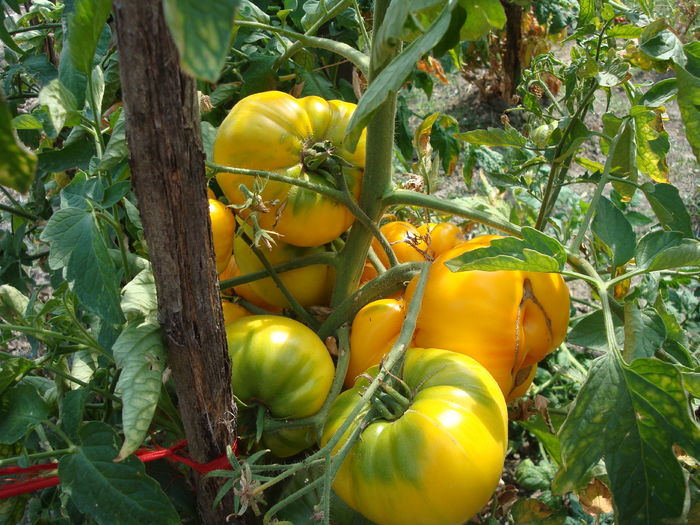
(381, 203)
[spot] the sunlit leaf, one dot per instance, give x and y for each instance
(689, 95)
(661, 250)
(652, 142)
(17, 163)
(85, 25)
(668, 207)
(493, 137)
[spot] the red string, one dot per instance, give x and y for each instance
(17, 487)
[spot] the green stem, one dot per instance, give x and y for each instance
(19, 212)
(99, 142)
(89, 386)
(92, 342)
(358, 58)
(116, 226)
(318, 188)
(37, 27)
(329, 258)
(60, 433)
(413, 198)
(578, 240)
(379, 287)
(298, 45)
(374, 260)
(38, 455)
(42, 332)
(361, 23)
(624, 277)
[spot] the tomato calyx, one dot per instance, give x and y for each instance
(388, 403)
(319, 158)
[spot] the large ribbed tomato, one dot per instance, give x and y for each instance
(506, 320)
(272, 131)
(439, 462)
(310, 285)
(283, 365)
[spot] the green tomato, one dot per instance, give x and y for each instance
(439, 462)
(283, 365)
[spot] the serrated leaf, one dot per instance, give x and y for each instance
(116, 150)
(12, 369)
(689, 98)
(652, 142)
(140, 354)
(668, 207)
(112, 493)
(85, 25)
(661, 250)
(631, 415)
(59, 102)
(202, 34)
(139, 296)
(611, 227)
(661, 43)
(535, 252)
(394, 75)
(493, 137)
(645, 332)
(78, 246)
(17, 163)
(21, 408)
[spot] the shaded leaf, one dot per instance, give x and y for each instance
(12, 369)
(589, 332)
(26, 121)
(72, 410)
(112, 493)
(611, 227)
(202, 33)
(78, 246)
(116, 150)
(668, 207)
(60, 103)
(660, 93)
(660, 250)
(140, 354)
(17, 163)
(645, 332)
(21, 408)
(395, 74)
(493, 137)
(535, 252)
(689, 97)
(660, 43)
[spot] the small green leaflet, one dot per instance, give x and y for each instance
(17, 163)
(139, 296)
(631, 415)
(493, 137)
(689, 95)
(645, 332)
(394, 75)
(12, 369)
(85, 25)
(140, 354)
(660, 43)
(668, 207)
(661, 250)
(202, 33)
(611, 227)
(535, 252)
(60, 103)
(21, 409)
(78, 246)
(112, 493)
(116, 150)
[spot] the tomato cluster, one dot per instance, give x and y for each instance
(434, 449)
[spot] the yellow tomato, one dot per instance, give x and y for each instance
(440, 237)
(223, 227)
(405, 241)
(232, 311)
(271, 131)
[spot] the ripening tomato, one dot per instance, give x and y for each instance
(440, 460)
(273, 131)
(440, 237)
(223, 228)
(232, 311)
(405, 241)
(310, 285)
(506, 320)
(283, 365)
(374, 330)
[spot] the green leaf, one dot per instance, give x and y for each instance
(72, 410)
(60, 103)
(589, 332)
(537, 426)
(208, 138)
(6, 37)
(112, 493)
(645, 332)
(661, 250)
(660, 43)
(140, 354)
(652, 142)
(493, 137)
(611, 227)
(631, 415)
(660, 93)
(624, 158)
(613, 73)
(17, 163)
(26, 121)
(393, 76)
(78, 246)
(390, 31)
(116, 150)
(689, 98)
(535, 252)
(535, 477)
(668, 207)
(21, 408)
(531, 511)
(85, 25)
(12, 369)
(202, 34)
(139, 296)
(98, 86)
(13, 304)
(587, 10)
(482, 17)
